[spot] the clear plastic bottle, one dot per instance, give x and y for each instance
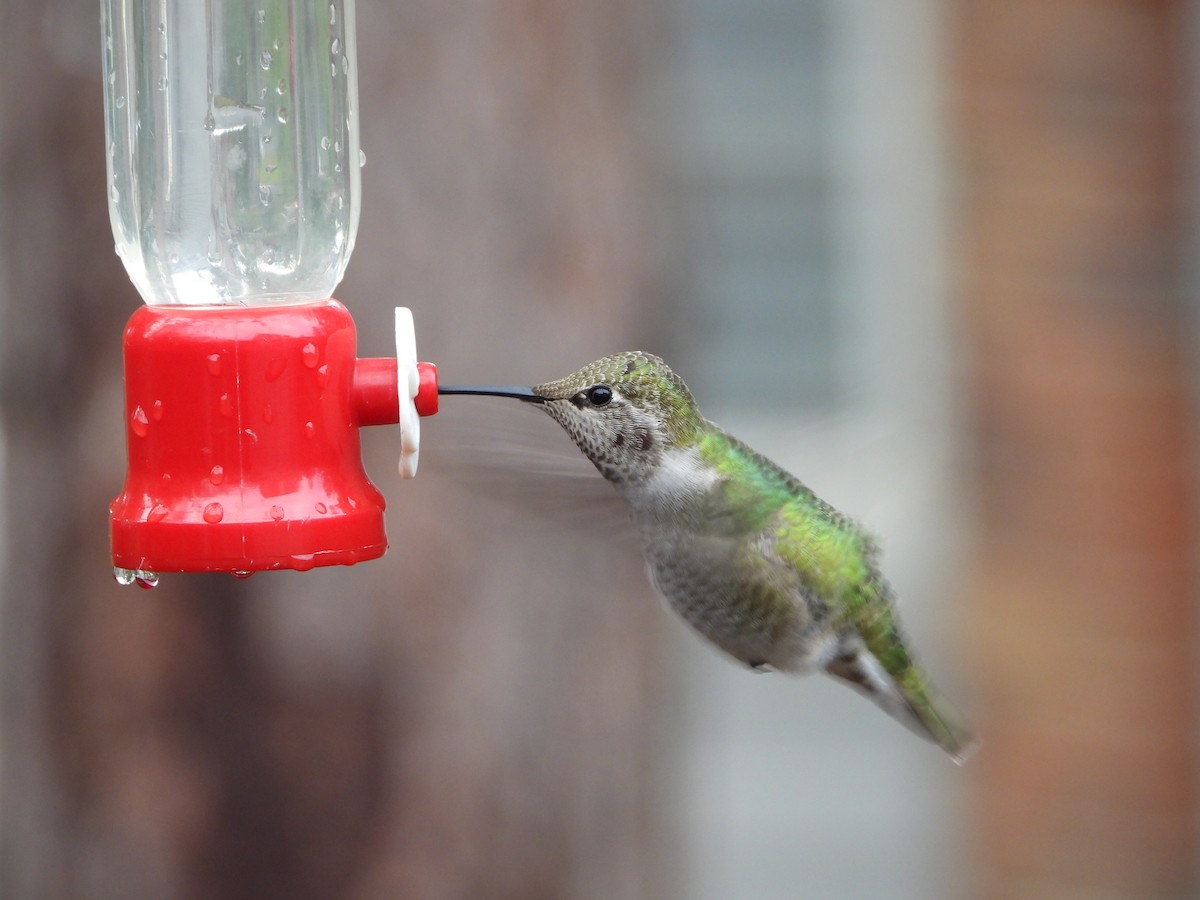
(233, 151)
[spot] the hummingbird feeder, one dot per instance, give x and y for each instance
(233, 164)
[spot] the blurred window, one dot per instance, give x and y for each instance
(755, 181)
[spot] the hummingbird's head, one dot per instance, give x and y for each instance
(623, 411)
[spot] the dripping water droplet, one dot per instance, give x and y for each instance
(145, 579)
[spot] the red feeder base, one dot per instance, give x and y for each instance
(242, 434)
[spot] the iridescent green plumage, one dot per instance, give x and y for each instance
(743, 550)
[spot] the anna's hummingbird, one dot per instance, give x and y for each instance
(741, 549)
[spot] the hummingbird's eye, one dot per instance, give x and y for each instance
(599, 395)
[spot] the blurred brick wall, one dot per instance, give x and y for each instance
(1069, 120)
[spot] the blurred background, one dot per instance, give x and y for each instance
(936, 258)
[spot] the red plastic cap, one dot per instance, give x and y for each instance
(242, 434)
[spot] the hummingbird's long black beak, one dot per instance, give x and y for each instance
(485, 390)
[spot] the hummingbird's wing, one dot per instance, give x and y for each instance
(514, 455)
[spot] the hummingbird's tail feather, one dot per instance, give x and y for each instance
(909, 700)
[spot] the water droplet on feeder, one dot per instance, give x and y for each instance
(145, 579)
(277, 513)
(310, 355)
(214, 513)
(213, 361)
(123, 576)
(217, 475)
(138, 422)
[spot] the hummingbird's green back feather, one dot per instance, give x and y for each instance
(828, 549)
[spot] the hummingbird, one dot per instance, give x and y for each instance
(741, 549)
